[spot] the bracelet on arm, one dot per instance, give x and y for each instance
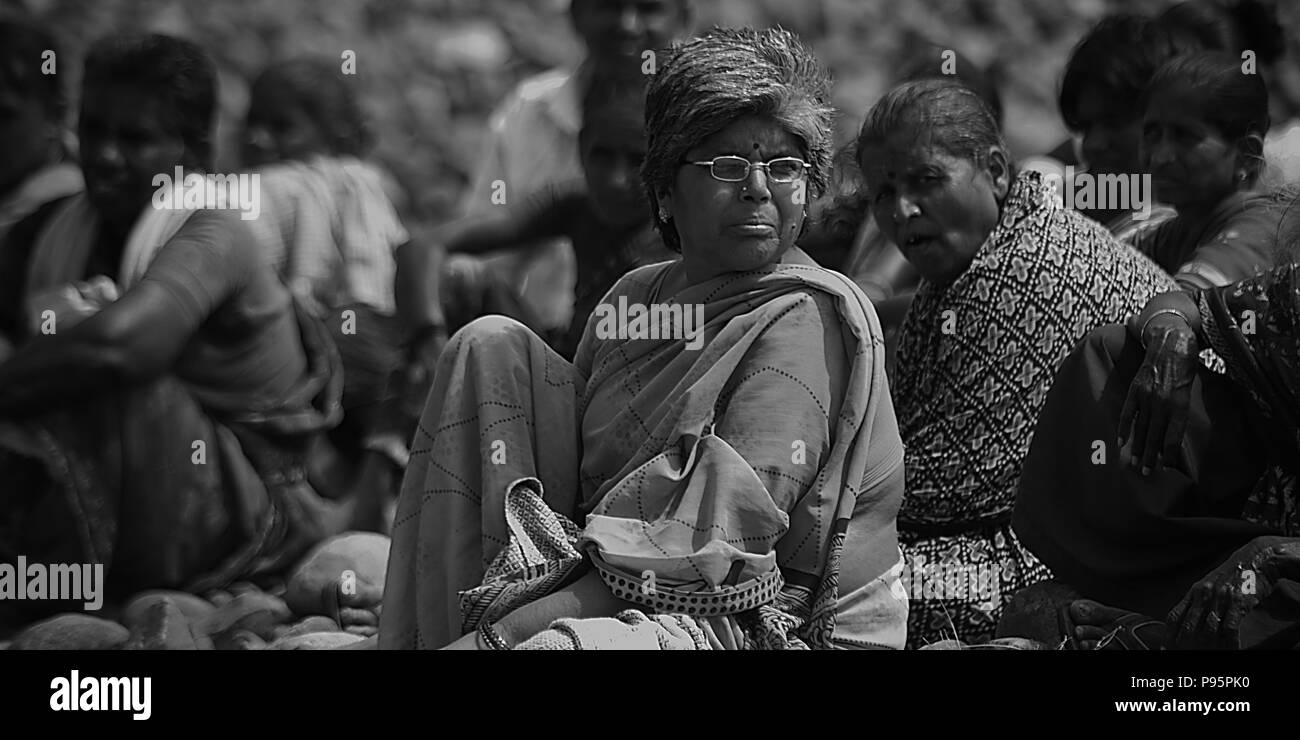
(492, 638)
(1159, 312)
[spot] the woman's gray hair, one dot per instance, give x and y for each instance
(957, 118)
(708, 82)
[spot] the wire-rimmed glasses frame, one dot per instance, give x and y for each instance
(732, 168)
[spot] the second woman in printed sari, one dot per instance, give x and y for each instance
(1010, 282)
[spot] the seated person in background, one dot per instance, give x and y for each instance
(1010, 281)
(731, 484)
(1235, 27)
(1099, 101)
(532, 142)
(156, 417)
(1192, 512)
(338, 243)
(33, 159)
(1203, 125)
(605, 216)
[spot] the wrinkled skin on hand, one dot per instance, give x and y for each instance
(1154, 417)
(1210, 615)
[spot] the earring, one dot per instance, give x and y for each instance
(663, 215)
(1241, 175)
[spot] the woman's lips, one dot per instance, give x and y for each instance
(754, 229)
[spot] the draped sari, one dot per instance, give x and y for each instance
(975, 363)
(1139, 542)
(196, 477)
(698, 479)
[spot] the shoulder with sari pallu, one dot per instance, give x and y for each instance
(978, 355)
(732, 468)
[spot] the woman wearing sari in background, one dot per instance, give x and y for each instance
(847, 236)
(156, 415)
(1237, 27)
(1203, 127)
(1010, 282)
(1099, 101)
(1193, 512)
(728, 482)
(33, 167)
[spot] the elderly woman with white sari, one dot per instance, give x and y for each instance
(729, 481)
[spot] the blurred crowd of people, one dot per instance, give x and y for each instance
(191, 396)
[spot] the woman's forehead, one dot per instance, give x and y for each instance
(751, 134)
(905, 152)
(1175, 102)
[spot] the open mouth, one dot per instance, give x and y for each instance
(917, 240)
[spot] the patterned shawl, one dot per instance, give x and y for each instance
(977, 356)
(1255, 327)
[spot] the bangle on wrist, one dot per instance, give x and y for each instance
(1143, 332)
(493, 639)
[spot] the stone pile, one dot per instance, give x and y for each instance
(331, 600)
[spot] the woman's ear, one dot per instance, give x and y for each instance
(999, 170)
(1250, 156)
(664, 208)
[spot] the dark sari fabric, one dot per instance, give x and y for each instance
(1233, 242)
(122, 481)
(1255, 327)
(1139, 542)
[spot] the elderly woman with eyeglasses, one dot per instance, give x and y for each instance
(720, 467)
(1010, 282)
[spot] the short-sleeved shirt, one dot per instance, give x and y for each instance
(331, 230)
(246, 351)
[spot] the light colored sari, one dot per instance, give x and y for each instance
(717, 481)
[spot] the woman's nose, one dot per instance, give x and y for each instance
(755, 188)
(905, 208)
(1159, 152)
(105, 152)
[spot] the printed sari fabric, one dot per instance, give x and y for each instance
(699, 479)
(1140, 542)
(976, 360)
(1255, 327)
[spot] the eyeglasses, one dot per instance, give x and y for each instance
(736, 169)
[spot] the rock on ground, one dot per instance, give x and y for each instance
(163, 626)
(316, 641)
(72, 632)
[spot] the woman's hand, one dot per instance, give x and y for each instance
(723, 633)
(75, 302)
(1154, 417)
(1210, 615)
